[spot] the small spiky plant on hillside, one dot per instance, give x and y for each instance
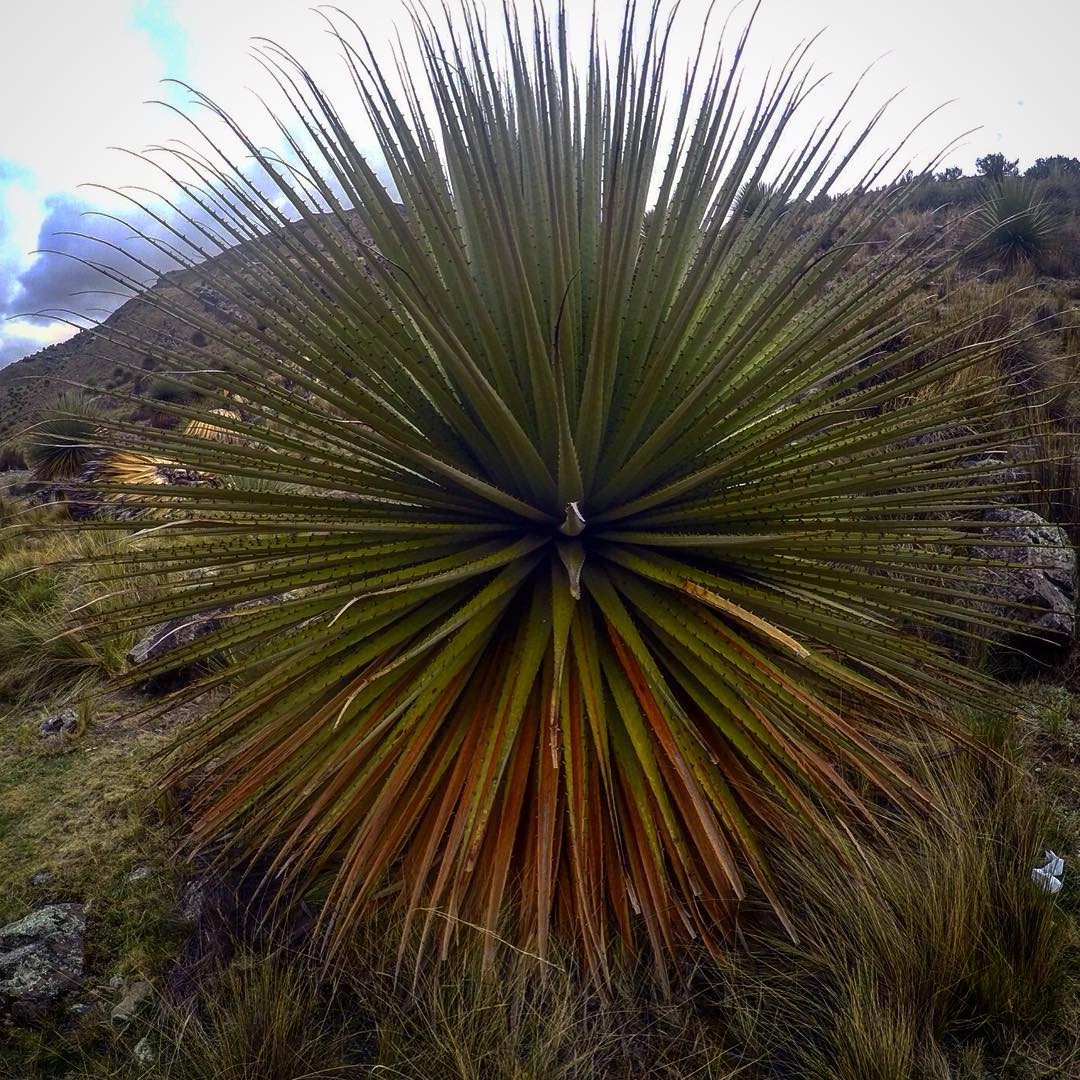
(207, 429)
(1014, 223)
(604, 539)
(753, 195)
(65, 439)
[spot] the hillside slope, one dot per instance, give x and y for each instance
(1042, 292)
(95, 359)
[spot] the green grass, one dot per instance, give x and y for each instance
(938, 960)
(76, 819)
(79, 810)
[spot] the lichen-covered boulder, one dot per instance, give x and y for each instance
(1038, 589)
(62, 723)
(41, 959)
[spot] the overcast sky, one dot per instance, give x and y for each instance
(74, 76)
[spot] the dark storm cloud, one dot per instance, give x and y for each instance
(58, 277)
(62, 282)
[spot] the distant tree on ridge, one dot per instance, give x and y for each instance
(996, 166)
(1058, 164)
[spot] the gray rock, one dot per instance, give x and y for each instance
(1043, 578)
(192, 902)
(179, 632)
(41, 958)
(61, 723)
(140, 873)
(79, 1011)
(172, 635)
(41, 878)
(145, 1051)
(1004, 473)
(136, 995)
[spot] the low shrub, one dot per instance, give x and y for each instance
(1057, 165)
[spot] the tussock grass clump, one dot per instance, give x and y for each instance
(12, 457)
(939, 947)
(1023, 369)
(273, 1017)
(54, 578)
(44, 582)
(1056, 470)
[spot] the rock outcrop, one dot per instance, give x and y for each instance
(64, 722)
(1038, 587)
(173, 634)
(176, 633)
(41, 959)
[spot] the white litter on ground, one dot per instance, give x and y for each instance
(1049, 875)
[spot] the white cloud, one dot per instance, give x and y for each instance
(72, 79)
(21, 338)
